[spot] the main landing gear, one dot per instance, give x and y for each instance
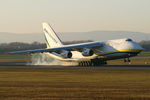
(127, 60)
(93, 62)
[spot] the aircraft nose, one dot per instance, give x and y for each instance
(141, 48)
(137, 46)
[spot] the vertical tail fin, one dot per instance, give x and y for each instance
(52, 40)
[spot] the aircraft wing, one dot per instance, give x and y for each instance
(73, 47)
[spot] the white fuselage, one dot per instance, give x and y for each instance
(112, 49)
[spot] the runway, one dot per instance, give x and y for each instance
(78, 67)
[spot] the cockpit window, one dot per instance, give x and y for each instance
(128, 40)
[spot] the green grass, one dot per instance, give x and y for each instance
(3, 56)
(74, 84)
(145, 61)
(145, 53)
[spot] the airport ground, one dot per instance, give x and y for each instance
(117, 80)
(74, 84)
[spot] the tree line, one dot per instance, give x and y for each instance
(17, 46)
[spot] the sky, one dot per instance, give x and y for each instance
(26, 16)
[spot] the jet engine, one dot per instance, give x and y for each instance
(66, 54)
(87, 52)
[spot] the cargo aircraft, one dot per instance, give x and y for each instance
(86, 54)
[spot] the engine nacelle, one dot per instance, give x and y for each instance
(66, 54)
(87, 52)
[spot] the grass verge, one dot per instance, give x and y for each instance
(74, 84)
